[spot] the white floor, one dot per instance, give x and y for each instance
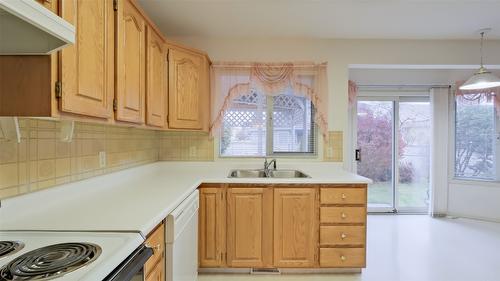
(420, 248)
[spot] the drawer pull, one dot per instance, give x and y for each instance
(343, 236)
(343, 216)
(342, 258)
(344, 197)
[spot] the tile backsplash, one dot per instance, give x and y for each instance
(186, 146)
(41, 160)
(333, 147)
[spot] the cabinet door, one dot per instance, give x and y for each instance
(185, 76)
(86, 68)
(212, 227)
(295, 227)
(156, 80)
(131, 64)
(49, 4)
(249, 227)
(158, 273)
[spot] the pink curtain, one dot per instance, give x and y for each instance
(491, 94)
(233, 80)
(352, 92)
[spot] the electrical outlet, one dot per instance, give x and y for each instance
(192, 151)
(102, 159)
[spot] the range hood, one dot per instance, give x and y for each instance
(28, 28)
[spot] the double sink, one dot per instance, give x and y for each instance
(261, 173)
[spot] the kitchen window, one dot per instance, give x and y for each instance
(477, 133)
(256, 125)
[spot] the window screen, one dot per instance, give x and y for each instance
(259, 125)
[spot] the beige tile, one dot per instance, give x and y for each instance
(46, 184)
(8, 151)
(63, 149)
(9, 192)
(46, 169)
(63, 167)
(87, 163)
(33, 149)
(23, 173)
(43, 161)
(9, 175)
(22, 150)
(46, 124)
(46, 149)
(33, 171)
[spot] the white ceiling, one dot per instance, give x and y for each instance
(384, 19)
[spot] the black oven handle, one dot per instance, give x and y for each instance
(133, 264)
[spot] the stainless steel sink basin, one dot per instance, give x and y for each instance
(288, 174)
(272, 174)
(247, 174)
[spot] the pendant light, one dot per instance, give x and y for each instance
(482, 79)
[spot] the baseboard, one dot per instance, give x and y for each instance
(319, 270)
(438, 215)
(281, 270)
(465, 216)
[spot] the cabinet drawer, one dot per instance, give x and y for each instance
(342, 235)
(343, 196)
(156, 240)
(342, 214)
(342, 257)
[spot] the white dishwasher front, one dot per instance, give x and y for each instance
(181, 250)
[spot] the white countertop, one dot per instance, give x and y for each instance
(137, 199)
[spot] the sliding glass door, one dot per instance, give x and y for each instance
(393, 143)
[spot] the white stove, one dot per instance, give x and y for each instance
(63, 256)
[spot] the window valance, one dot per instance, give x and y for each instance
(230, 80)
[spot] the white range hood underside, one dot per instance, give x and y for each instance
(28, 28)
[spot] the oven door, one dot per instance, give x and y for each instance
(132, 269)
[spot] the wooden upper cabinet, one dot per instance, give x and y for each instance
(86, 68)
(295, 227)
(131, 63)
(249, 227)
(156, 91)
(212, 226)
(185, 72)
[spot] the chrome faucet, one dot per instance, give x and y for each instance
(267, 164)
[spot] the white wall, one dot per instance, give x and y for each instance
(340, 54)
(464, 200)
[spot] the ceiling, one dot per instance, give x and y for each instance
(380, 19)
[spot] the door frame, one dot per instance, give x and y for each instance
(394, 96)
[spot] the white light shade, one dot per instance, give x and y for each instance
(483, 79)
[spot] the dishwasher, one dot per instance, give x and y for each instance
(181, 250)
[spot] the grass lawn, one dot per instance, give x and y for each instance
(410, 195)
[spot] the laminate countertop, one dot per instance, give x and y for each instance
(137, 199)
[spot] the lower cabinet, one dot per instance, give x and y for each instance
(212, 226)
(154, 269)
(282, 226)
(249, 226)
(158, 273)
(295, 227)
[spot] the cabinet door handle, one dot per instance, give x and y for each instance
(342, 258)
(343, 236)
(343, 196)
(156, 248)
(343, 216)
